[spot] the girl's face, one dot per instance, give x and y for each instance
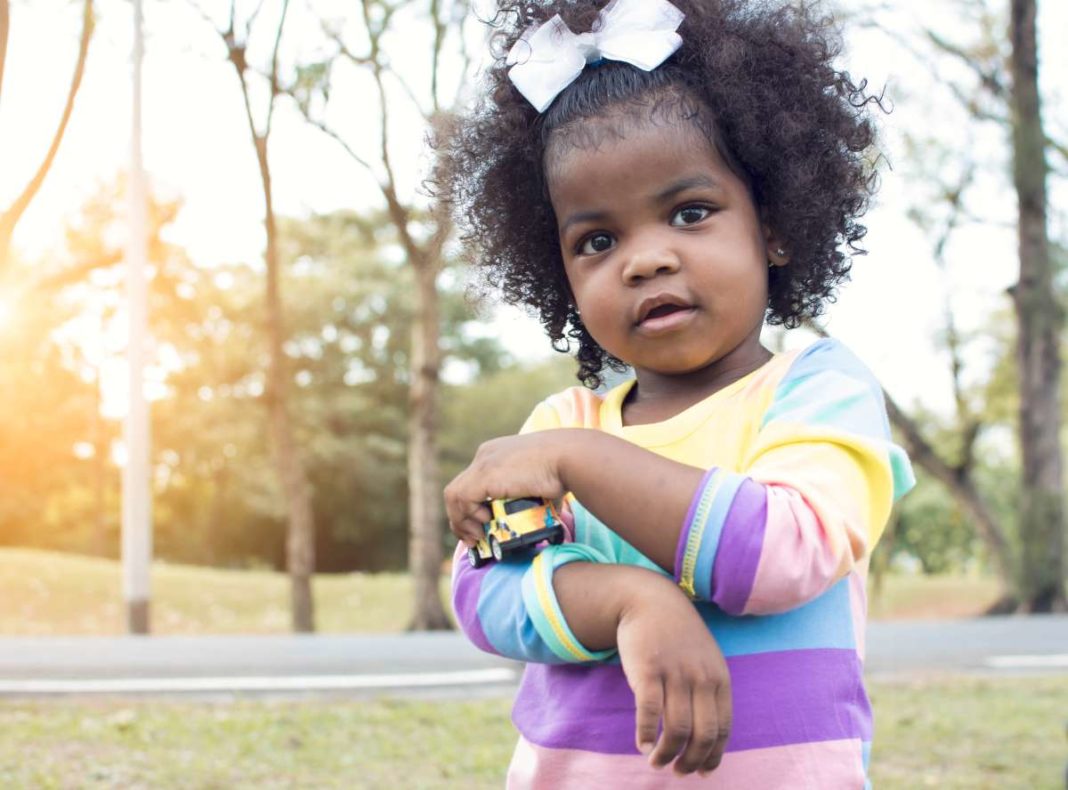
(665, 253)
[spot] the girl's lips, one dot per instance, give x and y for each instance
(666, 322)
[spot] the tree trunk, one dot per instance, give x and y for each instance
(99, 541)
(300, 535)
(5, 22)
(1039, 321)
(10, 217)
(425, 549)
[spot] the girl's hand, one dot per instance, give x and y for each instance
(678, 674)
(512, 466)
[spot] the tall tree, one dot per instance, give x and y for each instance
(422, 236)
(300, 535)
(1040, 321)
(10, 216)
(991, 70)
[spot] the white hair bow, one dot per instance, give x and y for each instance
(549, 57)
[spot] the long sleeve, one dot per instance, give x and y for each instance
(811, 499)
(510, 608)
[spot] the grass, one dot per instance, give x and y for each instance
(915, 597)
(971, 733)
(47, 593)
(950, 733)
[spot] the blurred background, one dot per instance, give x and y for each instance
(317, 367)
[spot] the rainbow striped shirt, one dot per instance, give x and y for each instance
(802, 474)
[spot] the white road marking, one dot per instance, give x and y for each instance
(1051, 661)
(256, 683)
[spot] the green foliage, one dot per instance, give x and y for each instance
(348, 306)
(50, 422)
(495, 405)
(931, 528)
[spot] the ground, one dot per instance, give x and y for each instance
(949, 733)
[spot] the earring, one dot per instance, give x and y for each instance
(780, 252)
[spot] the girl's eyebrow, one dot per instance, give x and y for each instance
(691, 182)
(582, 216)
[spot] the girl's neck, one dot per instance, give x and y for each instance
(656, 397)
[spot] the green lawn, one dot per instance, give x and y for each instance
(945, 733)
(49, 593)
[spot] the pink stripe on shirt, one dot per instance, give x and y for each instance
(826, 765)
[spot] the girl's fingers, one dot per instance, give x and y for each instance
(466, 516)
(705, 735)
(649, 705)
(724, 713)
(678, 724)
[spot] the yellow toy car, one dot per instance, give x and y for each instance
(517, 524)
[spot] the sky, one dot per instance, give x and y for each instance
(197, 148)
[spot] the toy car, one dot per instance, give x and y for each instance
(517, 524)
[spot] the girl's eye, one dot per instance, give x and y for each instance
(597, 243)
(690, 215)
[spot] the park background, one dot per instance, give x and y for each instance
(378, 372)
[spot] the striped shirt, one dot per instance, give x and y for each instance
(801, 476)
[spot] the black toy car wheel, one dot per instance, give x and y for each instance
(557, 537)
(476, 559)
(495, 548)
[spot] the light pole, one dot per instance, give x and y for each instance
(136, 492)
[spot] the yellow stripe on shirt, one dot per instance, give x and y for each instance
(545, 598)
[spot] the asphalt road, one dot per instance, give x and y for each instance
(429, 664)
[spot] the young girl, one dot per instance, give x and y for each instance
(657, 180)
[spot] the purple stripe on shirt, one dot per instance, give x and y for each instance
(687, 525)
(739, 549)
(466, 588)
(782, 698)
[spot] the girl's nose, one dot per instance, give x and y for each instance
(649, 261)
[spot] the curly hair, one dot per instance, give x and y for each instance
(759, 79)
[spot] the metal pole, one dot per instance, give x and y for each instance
(136, 494)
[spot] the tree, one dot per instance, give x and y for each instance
(1040, 322)
(994, 79)
(422, 236)
(300, 535)
(10, 216)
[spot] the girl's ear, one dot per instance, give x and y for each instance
(777, 253)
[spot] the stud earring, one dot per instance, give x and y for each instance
(780, 252)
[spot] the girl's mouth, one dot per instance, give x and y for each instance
(665, 318)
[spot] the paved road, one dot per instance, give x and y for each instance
(1005, 644)
(437, 663)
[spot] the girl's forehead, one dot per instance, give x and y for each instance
(604, 147)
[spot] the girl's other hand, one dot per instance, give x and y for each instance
(512, 466)
(677, 674)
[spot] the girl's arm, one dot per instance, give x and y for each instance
(559, 608)
(811, 499)
(642, 496)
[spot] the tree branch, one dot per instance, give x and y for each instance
(1059, 147)
(10, 217)
(439, 41)
(988, 78)
(465, 54)
(48, 284)
(398, 212)
(5, 20)
(274, 65)
(923, 454)
(322, 127)
(252, 18)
